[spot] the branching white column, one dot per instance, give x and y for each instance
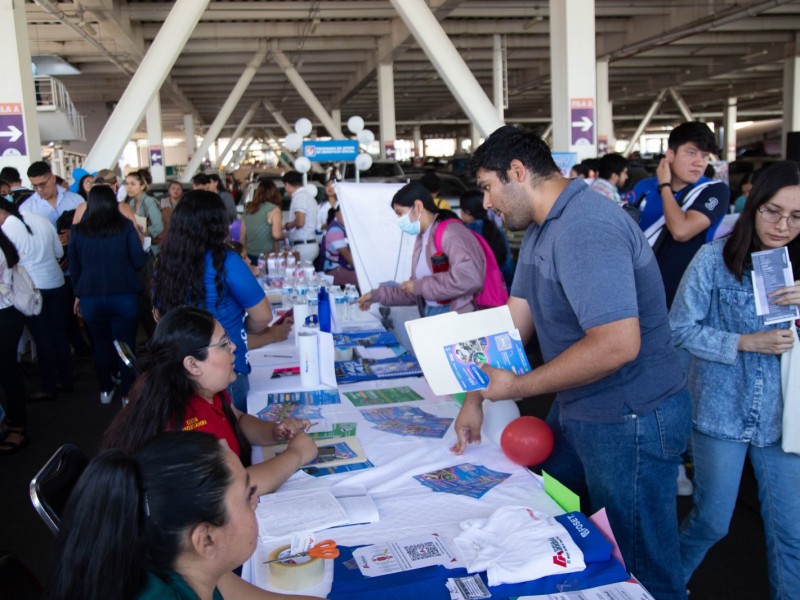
(152, 71)
(225, 112)
(248, 116)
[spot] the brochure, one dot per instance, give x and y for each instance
(772, 271)
(382, 396)
(449, 348)
(403, 555)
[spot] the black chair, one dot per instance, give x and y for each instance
(17, 580)
(52, 485)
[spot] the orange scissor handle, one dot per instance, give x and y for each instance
(324, 549)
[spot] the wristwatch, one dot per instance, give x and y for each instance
(661, 186)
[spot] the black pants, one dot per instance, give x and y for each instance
(11, 324)
(49, 331)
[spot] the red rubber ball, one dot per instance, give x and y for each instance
(527, 441)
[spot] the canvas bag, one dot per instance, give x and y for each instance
(22, 292)
(494, 292)
(790, 383)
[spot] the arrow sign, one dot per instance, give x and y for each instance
(13, 133)
(585, 124)
(581, 113)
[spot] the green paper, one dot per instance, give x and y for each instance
(459, 397)
(564, 497)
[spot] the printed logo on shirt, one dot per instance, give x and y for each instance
(194, 423)
(561, 555)
(711, 203)
(559, 559)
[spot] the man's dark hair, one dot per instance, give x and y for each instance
(10, 174)
(432, 182)
(513, 143)
(201, 179)
(695, 132)
(612, 164)
(593, 164)
(39, 169)
(292, 178)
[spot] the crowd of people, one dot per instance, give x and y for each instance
(646, 323)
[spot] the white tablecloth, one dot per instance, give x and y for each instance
(406, 507)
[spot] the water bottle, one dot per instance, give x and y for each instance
(324, 310)
(339, 303)
(312, 298)
(351, 295)
(272, 265)
(287, 291)
(262, 265)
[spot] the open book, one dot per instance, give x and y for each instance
(451, 347)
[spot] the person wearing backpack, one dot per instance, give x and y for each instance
(443, 279)
(13, 436)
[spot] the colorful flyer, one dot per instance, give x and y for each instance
(382, 396)
(404, 555)
(311, 398)
(465, 479)
(337, 430)
(407, 420)
(500, 350)
(278, 412)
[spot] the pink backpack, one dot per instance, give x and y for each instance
(494, 292)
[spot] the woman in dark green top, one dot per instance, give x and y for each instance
(262, 225)
(171, 521)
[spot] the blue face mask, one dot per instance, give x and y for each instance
(9, 198)
(407, 225)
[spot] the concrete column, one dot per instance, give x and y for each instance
(155, 141)
(475, 136)
(336, 116)
(20, 144)
(444, 56)
(388, 128)
(239, 151)
(499, 75)
(729, 144)
(605, 122)
(572, 69)
(686, 112)
(225, 112)
(419, 147)
(188, 133)
(278, 117)
(791, 95)
(305, 92)
(145, 83)
(645, 121)
(248, 116)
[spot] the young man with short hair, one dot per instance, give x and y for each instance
(302, 225)
(680, 207)
(588, 284)
(612, 176)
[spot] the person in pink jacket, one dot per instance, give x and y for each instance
(440, 281)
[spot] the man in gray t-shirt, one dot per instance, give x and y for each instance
(588, 284)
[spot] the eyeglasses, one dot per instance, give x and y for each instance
(773, 216)
(44, 184)
(224, 343)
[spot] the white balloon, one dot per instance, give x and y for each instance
(363, 162)
(311, 189)
(303, 126)
(366, 137)
(496, 415)
(293, 141)
(302, 164)
(355, 124)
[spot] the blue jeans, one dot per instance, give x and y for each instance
(717, 470)
(238, 391)
(630, 468)
(110, 318)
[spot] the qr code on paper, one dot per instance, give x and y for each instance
(503, 341)
(423, 551)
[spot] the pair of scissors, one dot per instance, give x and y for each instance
(323, 549)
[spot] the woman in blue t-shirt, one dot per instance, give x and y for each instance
(195, 267)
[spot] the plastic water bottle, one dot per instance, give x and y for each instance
(324, 310)
(351, 295)
(262, 265)
(287, 291)
(339, 303)
(312, 298)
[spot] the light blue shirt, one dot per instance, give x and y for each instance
(64, 201)
(735, 395)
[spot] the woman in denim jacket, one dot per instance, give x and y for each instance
(735, 380)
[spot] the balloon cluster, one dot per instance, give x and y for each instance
(365, 137)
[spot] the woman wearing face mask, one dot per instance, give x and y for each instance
(440, 282)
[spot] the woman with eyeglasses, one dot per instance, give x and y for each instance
(169, 521)
(197, 268)
(735, 380)
(183, 375)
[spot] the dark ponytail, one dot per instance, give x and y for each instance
(472, 204)
(9, 250)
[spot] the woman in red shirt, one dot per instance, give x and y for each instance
(182, 385)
